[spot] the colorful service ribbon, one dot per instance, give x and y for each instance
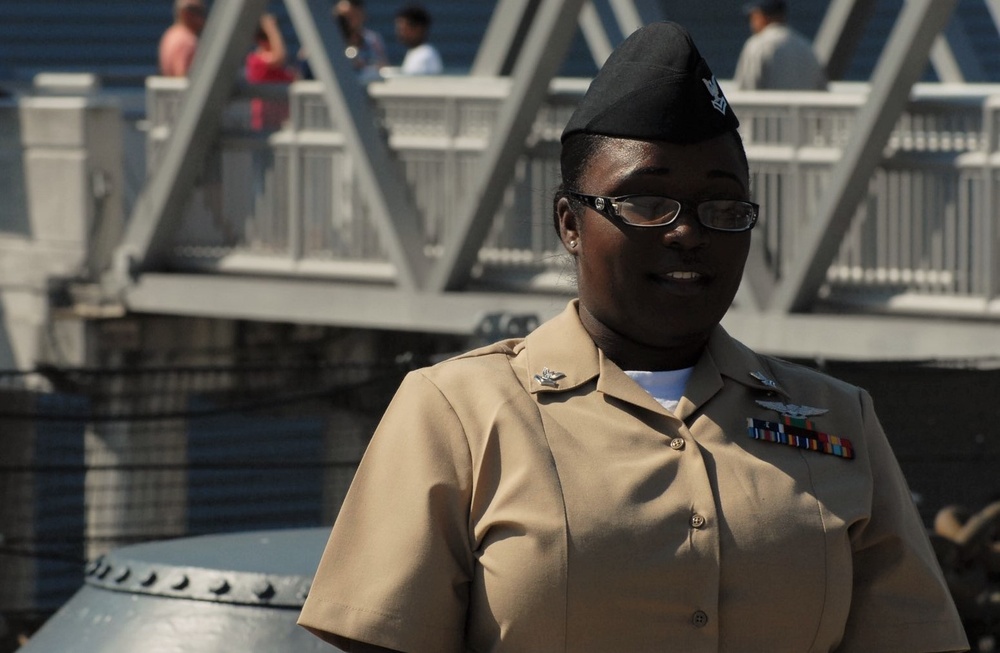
(799, 432)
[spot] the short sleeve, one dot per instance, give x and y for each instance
(397, 567)
(900, 600)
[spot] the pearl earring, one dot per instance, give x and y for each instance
(572, 243)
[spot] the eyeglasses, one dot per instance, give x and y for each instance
(657, 211)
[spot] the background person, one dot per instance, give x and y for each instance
(266, 64)
(365, 48)
(629, 477)
(179, 42)
(413, 24)
(776, 57)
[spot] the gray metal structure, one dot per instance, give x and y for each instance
(212, 82)
(899, 68)
(239, 592)
(226, 38)
(540, 57)
(776, 310)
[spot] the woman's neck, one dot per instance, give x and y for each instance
(629, 354)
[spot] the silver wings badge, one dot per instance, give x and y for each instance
(792, 410)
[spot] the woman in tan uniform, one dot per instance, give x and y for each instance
(628, 477)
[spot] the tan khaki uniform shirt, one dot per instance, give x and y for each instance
(494, 513)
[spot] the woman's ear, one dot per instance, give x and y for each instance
(569, 226)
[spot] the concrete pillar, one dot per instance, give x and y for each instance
(62, 179)
(137, 480)
(73, 151)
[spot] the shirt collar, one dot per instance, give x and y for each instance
(564, 348)
(738, 362)
(560, 356)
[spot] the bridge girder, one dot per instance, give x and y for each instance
(436, 296)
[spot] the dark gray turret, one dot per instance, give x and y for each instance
(239, 592)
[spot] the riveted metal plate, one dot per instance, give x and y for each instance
(272, 568)
(237, 592)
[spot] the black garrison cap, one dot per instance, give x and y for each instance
(654, 86)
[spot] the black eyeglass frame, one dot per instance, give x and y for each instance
(607, 206)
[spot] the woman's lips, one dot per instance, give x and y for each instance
(682, 282)
(683, 275)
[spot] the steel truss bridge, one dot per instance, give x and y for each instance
(424, 204)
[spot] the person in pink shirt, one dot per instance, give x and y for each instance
(178, 43)
(266, 64)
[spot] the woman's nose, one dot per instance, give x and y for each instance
(686, 231)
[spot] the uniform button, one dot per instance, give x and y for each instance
(677, 444)
(697, 521)
(699, 619)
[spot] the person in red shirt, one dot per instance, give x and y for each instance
(267, 65)
(178, 43)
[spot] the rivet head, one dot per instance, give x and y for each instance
(123, 575)
(179, 582)
(263, 590)
(148, 579)
(92, 567)
(219, 586)
(303, 592)
(103, 570)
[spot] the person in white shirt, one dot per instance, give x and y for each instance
(413, 23)
(776, 57)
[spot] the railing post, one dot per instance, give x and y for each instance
(990, 244)
(294, 180)
(794, 208)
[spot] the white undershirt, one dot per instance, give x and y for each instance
(666, 387)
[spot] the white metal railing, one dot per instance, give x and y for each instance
(289, 200)
(926, 227)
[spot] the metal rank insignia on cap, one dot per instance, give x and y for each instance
(718, 99)
(549, 378)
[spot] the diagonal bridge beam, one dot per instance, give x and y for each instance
(542, 54)
(222, 47)
(902, 63)
(224, 41)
